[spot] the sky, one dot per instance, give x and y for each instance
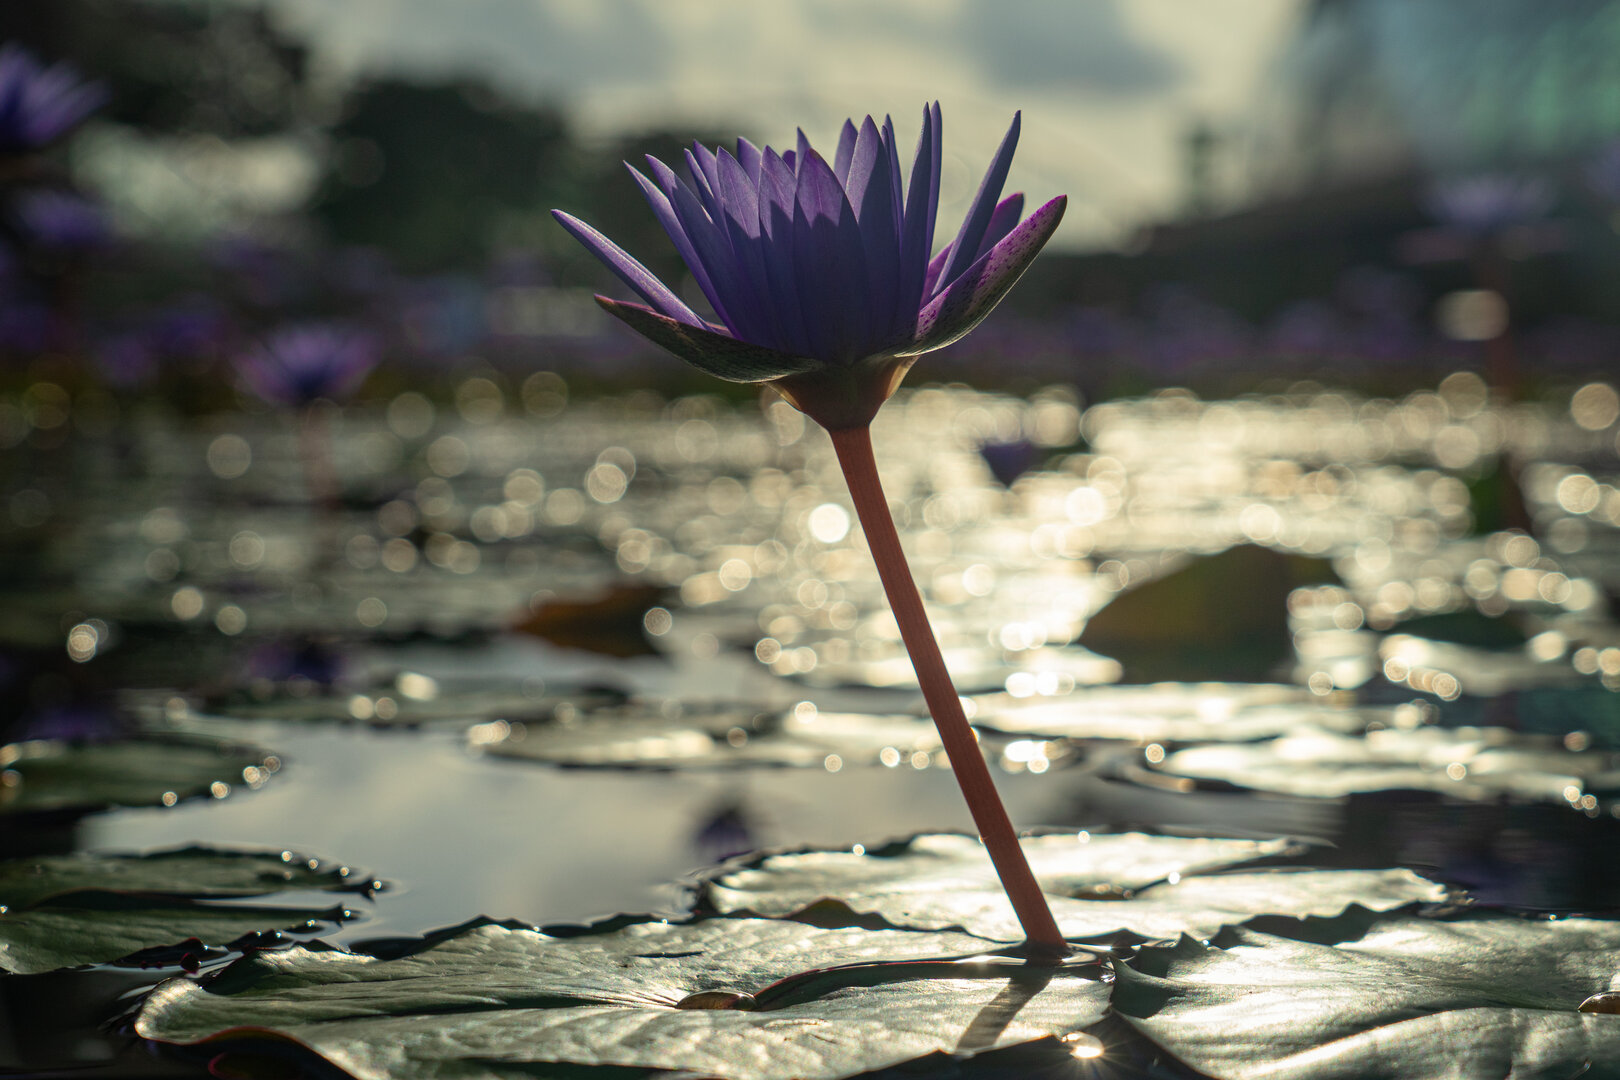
(1106, 87)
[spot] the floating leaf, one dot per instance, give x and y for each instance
(743, 999)
(1146, 885)
(193, 872)
(61, 911)
(1464, 763)
(406, 701)
(1170, 712)
(1480, 996)
(50, 775)
(104, 928)
(656, 735)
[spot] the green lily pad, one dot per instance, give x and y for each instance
(1171, 712)
(49, 775)
(102, 928)
(62, 911)
(193, 872)
(640, 734)
(1148, 886)
(408, 701)
(492, 1000)
(1463, 763)
(1483, 996)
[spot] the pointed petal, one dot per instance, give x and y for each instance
(870, 196)
(705, 179)
(846, 151)
(975, 292)
(748, 156)
(739, 201)
(917, 229)
(718, 354)
(736, 305)
(966, 247)
(664, 211)
(936, 266)
(897, 200)
(628, 270)
(1008, 212)
(776, 192)
(830, 265)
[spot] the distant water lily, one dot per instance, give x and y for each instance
(820, 273)
(822, 280)
(39, 104)
(301, 364)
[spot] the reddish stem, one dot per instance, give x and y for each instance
(854, 449)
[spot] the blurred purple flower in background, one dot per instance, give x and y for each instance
(62, 222)
(297, 365)
(820, 273)
(1490, 202)
(39, 104)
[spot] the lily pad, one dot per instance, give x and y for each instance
(648, 734)
(50, 775)
(192, 872)
(1464, 763)
(1480, 996)
(1148, 886)
(104, 928)
(492, 1000)
(408, 701)
(1171, 712)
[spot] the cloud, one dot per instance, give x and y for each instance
(1085, 46)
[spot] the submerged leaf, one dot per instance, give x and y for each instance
(1482, 996)
(492, 1000)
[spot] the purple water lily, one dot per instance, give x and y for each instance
(820, 273)
(297, 365)
(39, 104)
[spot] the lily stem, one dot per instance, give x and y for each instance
(854, 449)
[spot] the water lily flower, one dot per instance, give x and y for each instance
(300, 364)
(39, 104)
(822, 274)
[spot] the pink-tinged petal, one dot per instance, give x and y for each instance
(917, 229)
(632, 273)
(978, 289)
(870, 197)
(936, 266)
(664, 210)
(829, 264)
(720, 355)
(776, 192)
(846, 152)
(1002, 222)
(965, 248)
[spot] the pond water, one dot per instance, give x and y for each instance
(539, 659)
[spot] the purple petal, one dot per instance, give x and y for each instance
(975, 292)
(846, 152)
(936, 266)
(966, 247)
(829, 264)
(917, 230)
(739, 200)
(748, 156)
(664, 211)
(897, 203)
(718, 354)
(628, 270)
(776, 190)
(871, 198)
(1002, 222)
(735, 305)
(705, 179)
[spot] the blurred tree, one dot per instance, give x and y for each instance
(434, 173)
